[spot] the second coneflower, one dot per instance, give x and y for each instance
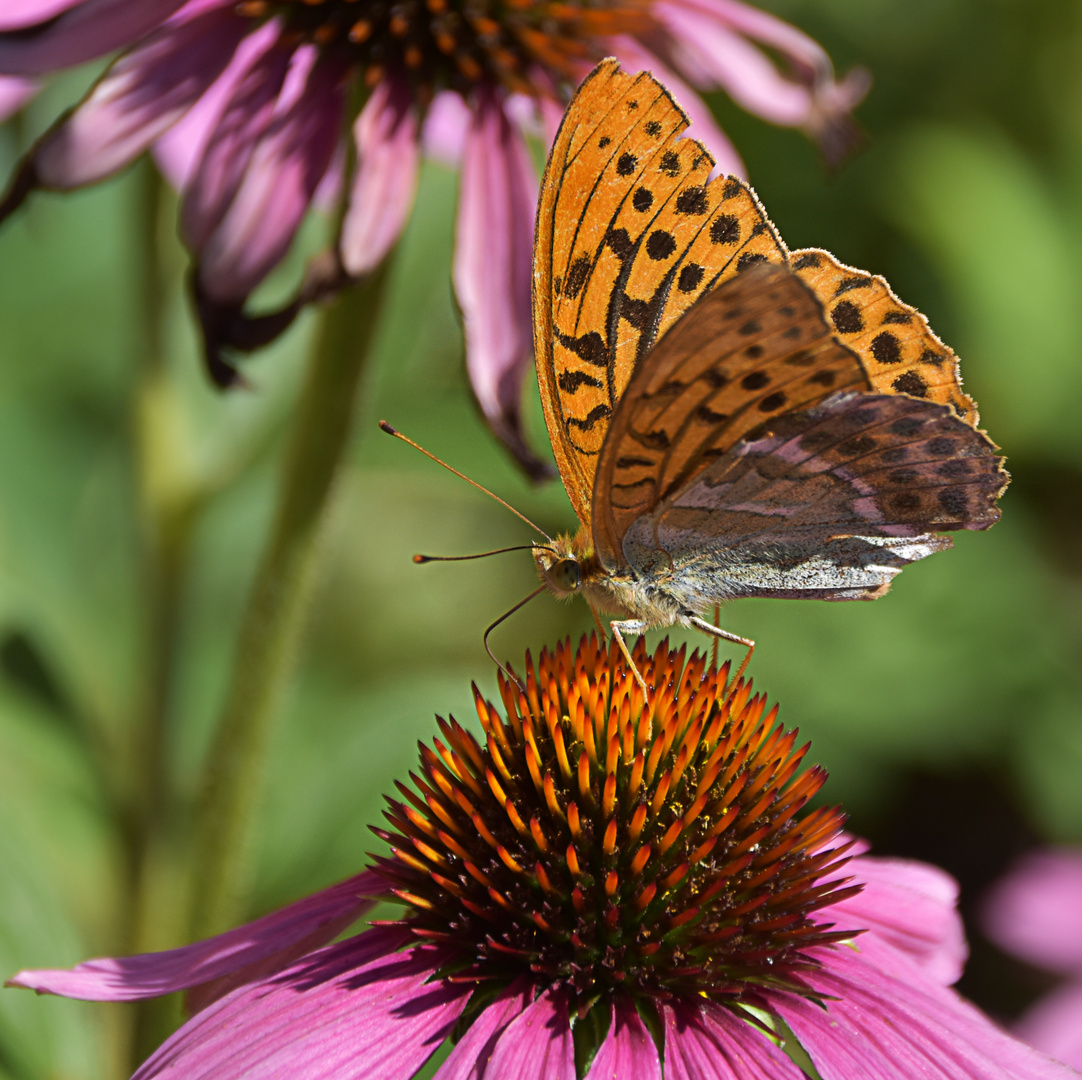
(248, 104)
(593, 888)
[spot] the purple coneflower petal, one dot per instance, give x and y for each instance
(730, 61)
(876, 1023)
(228, 125)
(909, 906)
(14, 94)
(17, 14)
(274, 939)
(388, 156)
(709, 1043)
(536, 1045)
(139, 98)
(80, 32)
(628, 1050)
(493, 255)
(1054, 1025)
(445, 127)
(703, 125)
(1035, 912)
(286, 167)
(469, 1059)
(359, 1008)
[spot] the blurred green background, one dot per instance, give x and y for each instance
(949, 713)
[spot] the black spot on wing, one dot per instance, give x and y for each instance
(598, 412)
(570, 381)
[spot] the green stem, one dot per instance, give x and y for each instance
(166, 502)
(277, 605)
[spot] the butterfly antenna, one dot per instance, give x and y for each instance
(506, 615)
(462, 476)
(480, 555)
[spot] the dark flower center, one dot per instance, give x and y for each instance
(455, 43)
(599, 846)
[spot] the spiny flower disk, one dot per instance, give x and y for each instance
(458, 42)
(596, 844)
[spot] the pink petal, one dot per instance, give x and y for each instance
(273, 939)
(80, 33)
(140, 97)
(908, 906)
(239, 109)
(709, 1043)
(1054, 1025)
(900, 1024)
(356, 1009)
(628, 1050)
(445, 128)
(1035, 912)
(388, 156)
(492, 266)
(14, 94)
(469, 1059)
(180, 151)
(730, 61)
(703, 125)
(18, 14)
(536, 1045)
(271, 200)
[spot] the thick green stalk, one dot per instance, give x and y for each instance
(276, 609)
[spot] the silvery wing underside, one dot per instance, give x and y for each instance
(828, 503)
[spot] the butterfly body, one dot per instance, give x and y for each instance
(730, 419)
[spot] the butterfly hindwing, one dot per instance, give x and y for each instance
(829, 502)
(630, 234)
(755, 347)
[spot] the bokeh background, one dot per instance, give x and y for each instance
(949, 713)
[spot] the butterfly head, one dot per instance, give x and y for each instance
(560, 566)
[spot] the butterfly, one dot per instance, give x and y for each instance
(729, 418)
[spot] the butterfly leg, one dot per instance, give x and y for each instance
(631, 626)
(716, 632)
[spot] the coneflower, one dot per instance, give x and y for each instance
(593, 886)
(251, 105)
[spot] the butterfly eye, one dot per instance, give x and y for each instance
(564, 576)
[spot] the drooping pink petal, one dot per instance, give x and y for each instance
(469, 1059)
(1054, 1025)
(1035, 912)
(536, 1045)
(139, 98)
(241, 108)
(446, 125)
(628, 1049)
(356, 1009)
(17, 14)
(82, 32)
(282, 175)
(703, 125)
(388, 156)
(14, 94)
(709, 48)
(273, 939)
(909, 906)
(879, 1023)
(492, 265)
(180, 150)
(709, 1043)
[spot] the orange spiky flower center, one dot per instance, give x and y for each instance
(591, 843)
(455, 43)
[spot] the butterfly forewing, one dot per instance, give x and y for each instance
(756, 347)
(899, 352)
(629, 235)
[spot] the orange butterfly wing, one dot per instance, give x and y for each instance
(893, 340)
(755, 348)
(629, 235)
